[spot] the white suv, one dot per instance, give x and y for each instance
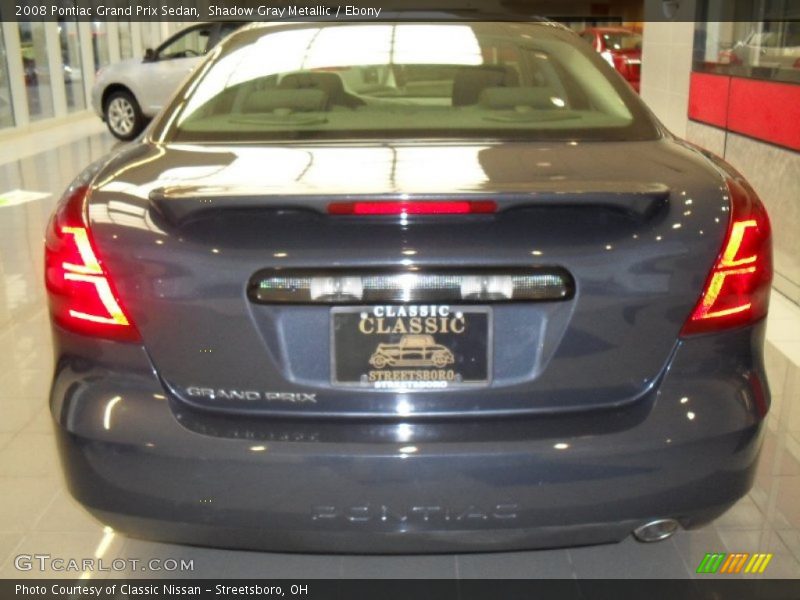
(128, 94)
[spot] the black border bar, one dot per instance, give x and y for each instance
(390, 10)
(409, 589)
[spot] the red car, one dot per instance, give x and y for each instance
(621, 47)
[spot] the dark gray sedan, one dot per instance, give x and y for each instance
(318, 193)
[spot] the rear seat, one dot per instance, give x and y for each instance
(330, 83)
(469, 82)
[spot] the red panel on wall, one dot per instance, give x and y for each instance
(708, 98)
(765, 110)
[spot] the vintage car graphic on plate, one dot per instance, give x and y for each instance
(412, 351)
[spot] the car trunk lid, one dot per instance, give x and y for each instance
(631, 229)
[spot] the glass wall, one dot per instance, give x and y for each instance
(36, 82)
(759, 40)
(100, 44)
(6, 109)
(36, 69)
(70, 47)
(125, 40)
(149, 32)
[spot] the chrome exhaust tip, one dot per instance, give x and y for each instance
(656, 531)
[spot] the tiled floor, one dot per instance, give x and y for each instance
(38, 516)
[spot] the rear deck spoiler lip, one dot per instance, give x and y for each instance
(639, 200)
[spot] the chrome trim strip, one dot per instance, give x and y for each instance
(359, 286)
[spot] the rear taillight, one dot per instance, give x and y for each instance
(737, 289)
(81, 294)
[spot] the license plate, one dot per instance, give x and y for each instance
(411, 347)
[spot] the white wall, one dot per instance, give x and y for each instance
(667, 63)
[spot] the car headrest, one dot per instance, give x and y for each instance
(330, 83)
(295, 99)
(469, 82)
(507, 98)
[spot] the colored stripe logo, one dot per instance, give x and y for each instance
(734, 563)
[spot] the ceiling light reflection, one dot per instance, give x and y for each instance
(107, 413)
(404, 432)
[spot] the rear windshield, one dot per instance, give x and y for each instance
(405, 80)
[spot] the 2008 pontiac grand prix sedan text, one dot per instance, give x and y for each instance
(408, 287)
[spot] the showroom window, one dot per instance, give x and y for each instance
(70, 47)
(36, 70)
(752, 40)
(125, 40)
(100, 44)
(746, 70)
(6, 109)
(150, 34)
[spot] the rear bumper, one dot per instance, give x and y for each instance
(364, 502)
(150, 469)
